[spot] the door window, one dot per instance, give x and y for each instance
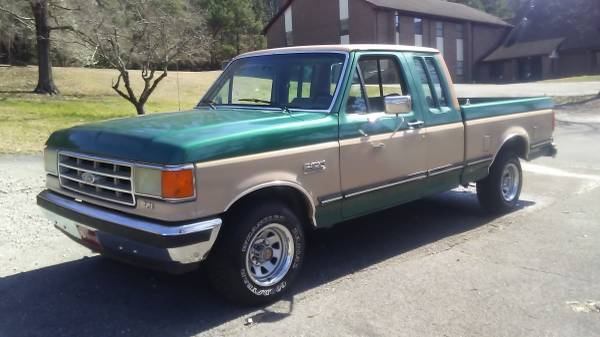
(381, 77)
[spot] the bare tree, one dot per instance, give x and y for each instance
(145, 34)
(35, 15)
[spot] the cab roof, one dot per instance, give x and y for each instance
(345, 48)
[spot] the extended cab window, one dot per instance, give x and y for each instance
(295, 81)
(431, 83)
(434, 74)
(381, 77)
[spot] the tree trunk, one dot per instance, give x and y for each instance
(45, 81)
(139, 108)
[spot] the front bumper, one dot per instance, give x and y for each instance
(172, 247)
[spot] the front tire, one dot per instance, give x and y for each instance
(499, 192)
(258, 255)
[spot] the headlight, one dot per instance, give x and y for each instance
(51, 161)
(165, 183)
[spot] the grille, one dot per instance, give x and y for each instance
(99, 178)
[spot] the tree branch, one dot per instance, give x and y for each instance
(71, 28)
(22, 19)
(121, 93)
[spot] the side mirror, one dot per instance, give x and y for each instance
(396, 104)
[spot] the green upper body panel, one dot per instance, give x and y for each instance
(491, 107)
(196, 135)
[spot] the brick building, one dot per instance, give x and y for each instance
(547, 43)
(464, 35)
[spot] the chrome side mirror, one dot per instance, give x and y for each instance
(395, 105)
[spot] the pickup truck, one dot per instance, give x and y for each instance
(284, 142)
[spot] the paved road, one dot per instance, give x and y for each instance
(436, 267)
(529, 89)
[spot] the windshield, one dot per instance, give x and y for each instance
(287, 81)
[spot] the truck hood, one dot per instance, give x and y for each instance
(196, 135)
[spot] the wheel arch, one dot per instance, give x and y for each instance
(291, 193)
(517, 142)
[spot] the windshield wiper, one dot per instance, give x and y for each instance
(211, 104)
(285, 109)
(254, 100)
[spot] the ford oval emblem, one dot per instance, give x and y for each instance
(88, 177)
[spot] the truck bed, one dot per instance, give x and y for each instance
(492, 122)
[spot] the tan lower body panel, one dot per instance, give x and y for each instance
(485, 136)
(222, 182)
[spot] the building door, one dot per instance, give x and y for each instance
(382, 157)
(530, 69)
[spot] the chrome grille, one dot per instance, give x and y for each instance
(100, 178)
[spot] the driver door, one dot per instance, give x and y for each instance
(383, 157)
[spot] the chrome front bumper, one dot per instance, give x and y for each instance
(173, 247)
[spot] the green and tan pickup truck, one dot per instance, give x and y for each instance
(284, 142)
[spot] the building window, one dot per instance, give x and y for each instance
(460, 31)
(460, 68)
(460, 51)
(344, 22)
(439, 36)
(289, 36)
(418, 28)
(397, 26)
(344, 27)
(439, 29)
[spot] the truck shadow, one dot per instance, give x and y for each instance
(98, 297)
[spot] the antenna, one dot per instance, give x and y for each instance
(178, 94)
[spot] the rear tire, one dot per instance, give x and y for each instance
(258, 254)
(499, 192)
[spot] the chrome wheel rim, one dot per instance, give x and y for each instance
(270, 255)
(509, 184)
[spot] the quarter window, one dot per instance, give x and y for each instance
(427, 91)
(437, 82)
(433, 89)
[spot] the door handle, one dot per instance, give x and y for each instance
(416, 124)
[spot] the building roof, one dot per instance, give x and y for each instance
(525, 49)
(344, 48)
(438, 8)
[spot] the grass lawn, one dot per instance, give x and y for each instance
(26, 119)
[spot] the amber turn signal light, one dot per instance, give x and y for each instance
(177, 184)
